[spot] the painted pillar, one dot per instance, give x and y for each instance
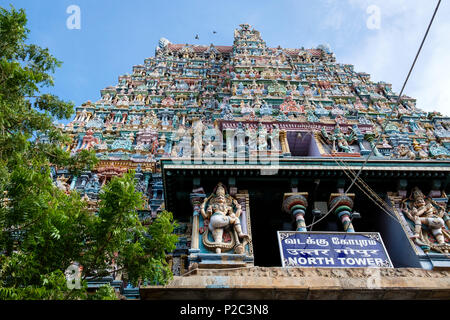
(342, 206)
(447, 220)
(240, 143)
(84, 180)
(296, 204)
(169, 143)
(229, 139)
(74, 181)
(197, 197)
(80, 141)
(284, 143)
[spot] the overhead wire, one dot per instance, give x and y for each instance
(393, 109)
(399, 96)
(369, 192)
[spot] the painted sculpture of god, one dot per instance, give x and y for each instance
(222, 212)
(428, 222)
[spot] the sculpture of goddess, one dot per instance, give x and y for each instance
(223, 212)
(423, 212)
(265, 109)
(338, 140)
(89, 140)
(155, 145)
(245, 108)
(198, 138)
(257, 104)
(274, 137)
(437, 151)
(262, 138)
(106, 97)
(174, 153)
(209, 150)
(419, 149)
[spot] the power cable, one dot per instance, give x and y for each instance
(399, 97)
(386, 121)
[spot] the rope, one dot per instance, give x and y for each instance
(371, 195)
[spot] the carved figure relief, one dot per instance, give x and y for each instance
(221, 212)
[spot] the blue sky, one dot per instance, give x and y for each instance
(115, 35)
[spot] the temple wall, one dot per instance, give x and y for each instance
(305, 283)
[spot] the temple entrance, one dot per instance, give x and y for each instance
(266, 219)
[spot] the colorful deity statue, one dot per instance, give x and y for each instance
(227, 110)
(93, 185)
(265, 109)
(223, 212)
(310, 116)
(168, 102)
(419, 148)
(437, 151)
(339, 141)
(252, 138)
(124, 143)
(276, 89)
(262, 137)
(404, 151)
(198, 138)
(289, 105)
(274, 138)
(89, 140)
(319, 110)
(245, 108)
(422, 212)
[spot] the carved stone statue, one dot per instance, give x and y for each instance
(61, 183)
(405, 152)
(274, 137)
(252, 138)
(222, 211)
(338, 140)
(422, 213)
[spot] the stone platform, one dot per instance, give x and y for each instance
(273, 283)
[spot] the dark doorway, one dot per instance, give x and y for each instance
(266, 219)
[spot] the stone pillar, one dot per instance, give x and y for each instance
(162, 144)
(240, 143)
(170, 144)
(197, 197)
(74, 181)
(284, 143)
(402, 184)
(371, 139)
(229, 139)
(435, 191)
(342, 206)
(84, 180)
(296, 204)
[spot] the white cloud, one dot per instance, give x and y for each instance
(387, 53)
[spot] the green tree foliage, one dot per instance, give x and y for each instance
(43, 230)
